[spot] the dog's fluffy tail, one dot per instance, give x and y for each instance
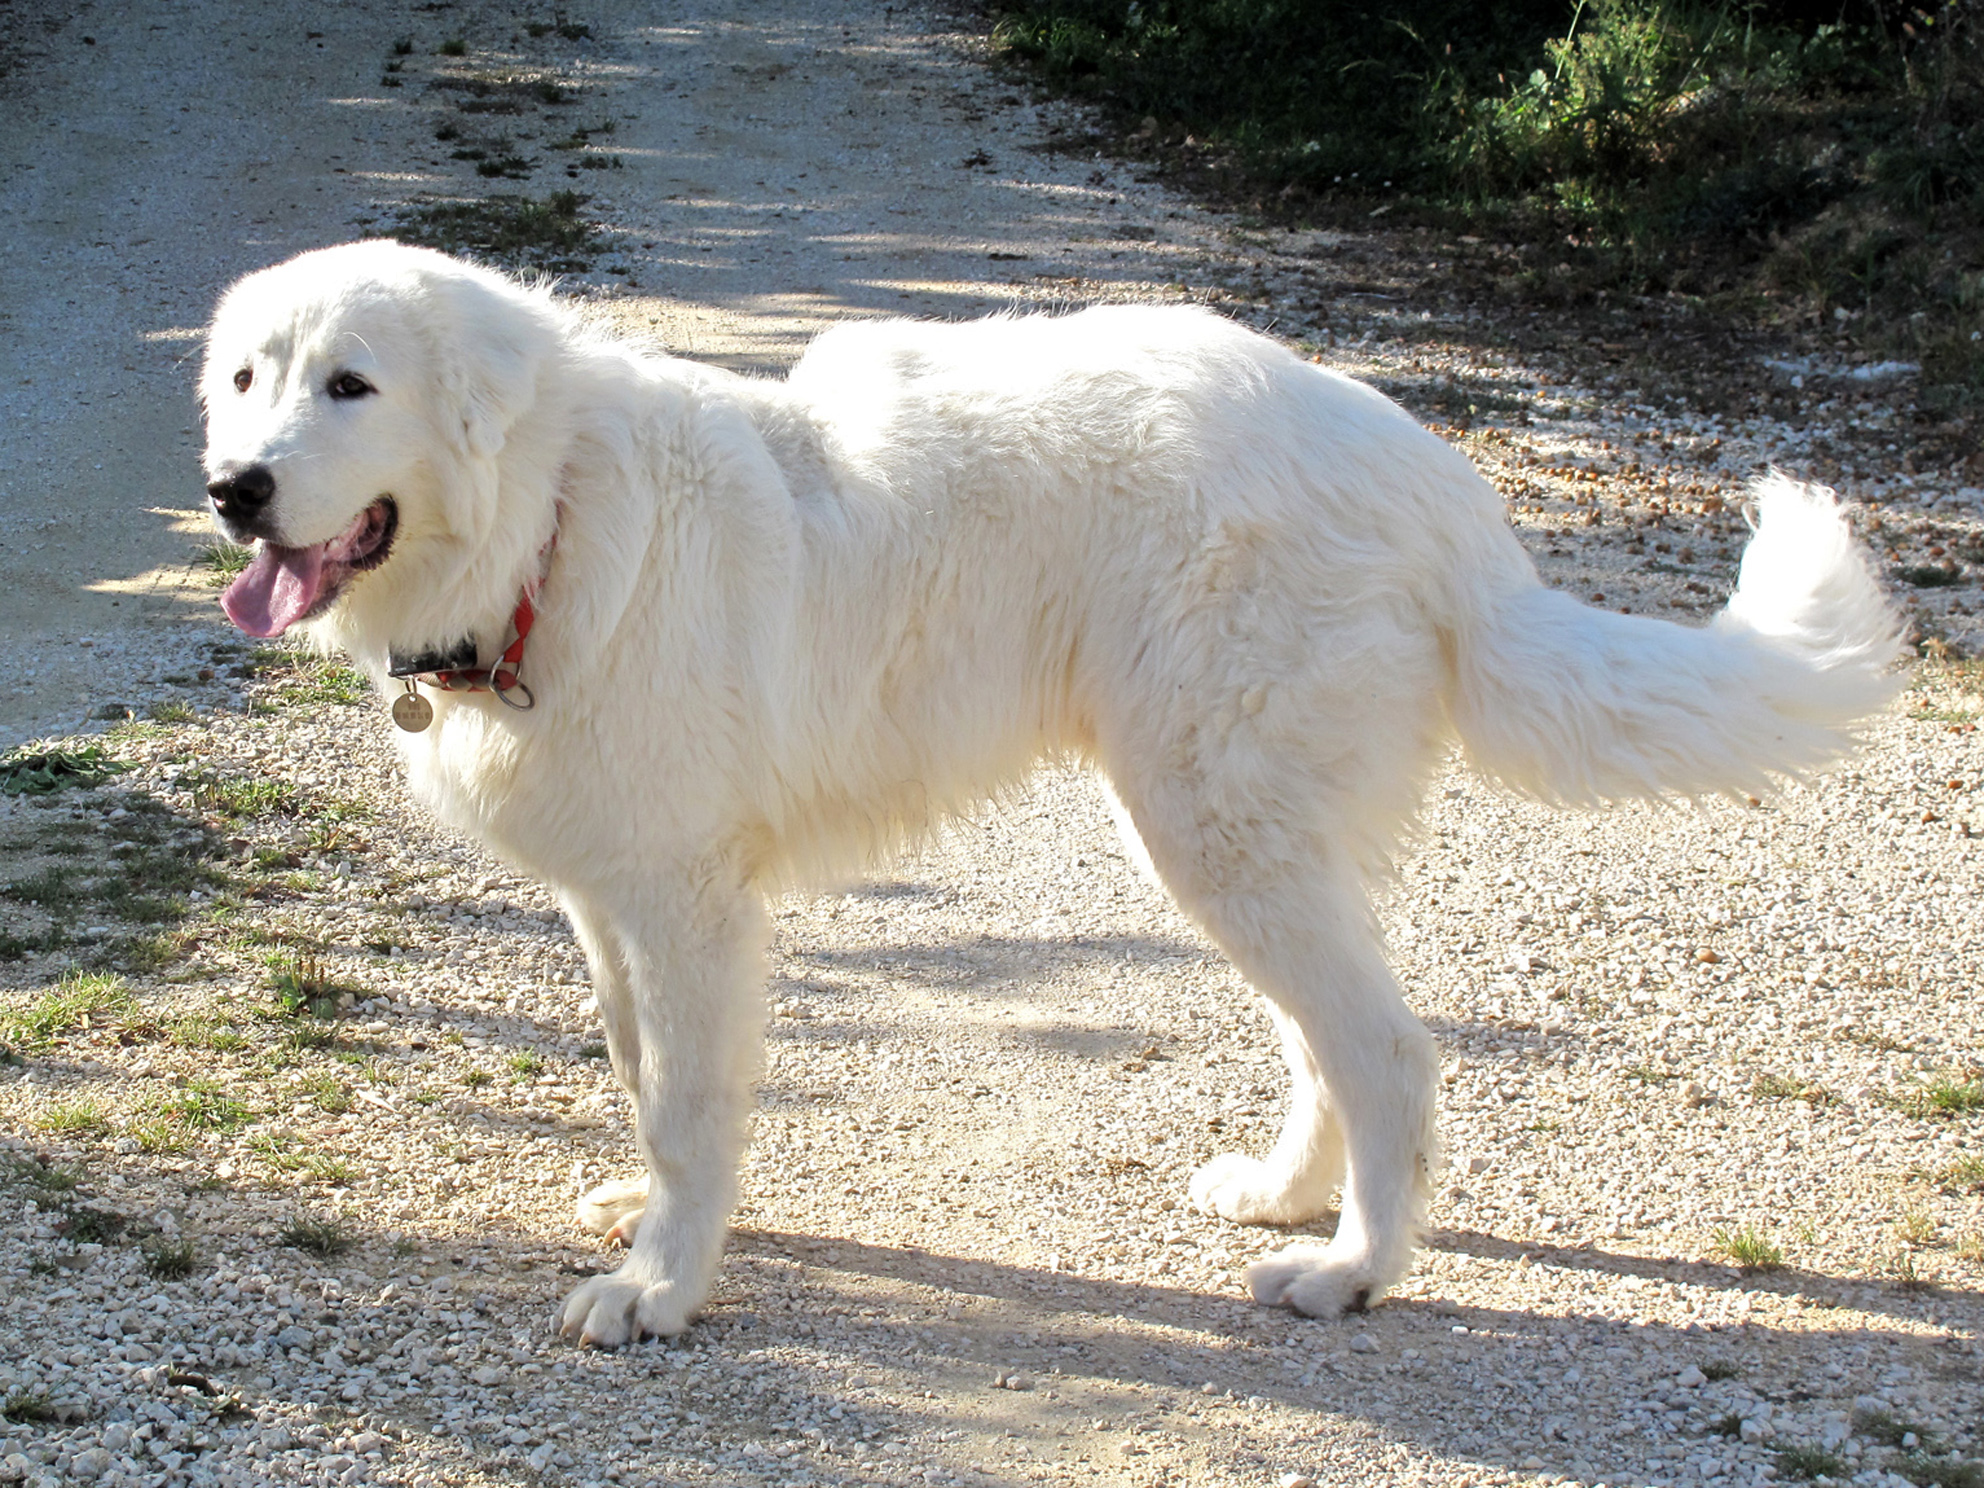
(1578, 705)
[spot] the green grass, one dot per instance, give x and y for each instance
(27, 1407)
(302, 986)
(206, 1105)
(1807, 1461)
(39, 770)
(475, 1079)
(527, 1064)
(74, 1118)
(1778, 1087)
(1749, 1248)
(327, 1093)
(1942, 1095)
(158, 1137)
(81, 999)
(245, 797)
(169, 1260)
(320, 1235)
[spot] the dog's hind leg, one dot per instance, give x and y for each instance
(695, 977)
(1295, 1181)
(613, 1208)
(1292, 913)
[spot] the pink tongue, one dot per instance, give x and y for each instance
(276, 589)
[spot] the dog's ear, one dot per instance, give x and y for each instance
(492, 344)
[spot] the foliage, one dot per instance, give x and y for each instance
(1822, 159)
(41, 771)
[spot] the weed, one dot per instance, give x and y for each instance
(302, 986)
(1729, 1424)
(1648, 1074)
(328, 1169)
(1916, 1228)
(454, 46)
(592, 1051)
(159, 1138)
(1749, 1248)
(321, 1235)
(41, 771)
(86, 1226)
(245, 798)
(1719, 1369)
(327, 1093)
(204, 1031)
(475, 1079)
(169, 1260)
(1946, 1094)
(1806, 1461)
(1930, 1471)
(307, 1036)
(527, 1064)
(1778, 1087)
(403, 46)
(204, 1105)
(1962, 1175)
(76, 1118)
(81, 999)
(518, 231)
(27, 1407)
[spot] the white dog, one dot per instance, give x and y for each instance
(733, 634)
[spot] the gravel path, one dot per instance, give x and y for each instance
(253, 1244)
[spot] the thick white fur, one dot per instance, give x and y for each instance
(787, 625)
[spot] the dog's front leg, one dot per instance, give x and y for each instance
(695, 976)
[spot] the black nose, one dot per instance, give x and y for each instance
(241, 495)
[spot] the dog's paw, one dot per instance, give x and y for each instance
(1247, 1191)
(605, 1208)
(1316, 1280)
(609, 1311)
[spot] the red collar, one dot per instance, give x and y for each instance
(413, 712)
(502, 676)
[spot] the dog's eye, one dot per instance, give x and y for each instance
(244, 379)
(349, 385)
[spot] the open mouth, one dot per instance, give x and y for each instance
(282, 586)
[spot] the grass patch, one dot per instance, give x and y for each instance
(1749, 1248)
(1964, 1175)
(27, 1407)
(302, 986)
(169, 1260)
(1807, 1461)
(74, 1118)
(327, 1093)
(1930, 1471)
(1649, 1074)
(80, 1000)
(475, 1079)
(205, 1105)
(1942, 1095)
(1778, 1087)
(550, 233)
(320, 1235)
(1719, 1369)
(527, 1064)
(41, 771)
(244, 797)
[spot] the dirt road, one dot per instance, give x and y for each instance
(1712, 1213)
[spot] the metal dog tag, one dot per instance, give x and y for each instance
(411, 711)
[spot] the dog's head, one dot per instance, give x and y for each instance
(358, 401)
